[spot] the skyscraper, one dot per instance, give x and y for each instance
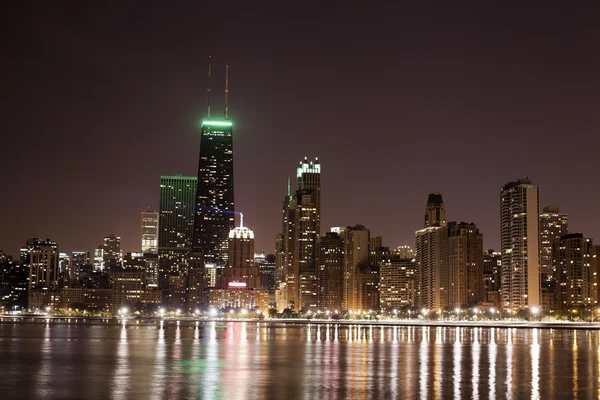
(519, 217)
(574, 271)
(431, 277)
(464, 253)
(241, 270)
(553, 225)
(41, 258)
(331, 272)
(302, 224)
(435, 211)
(214, 215)
(397, 282)
(113, 257)
(356, 256)
(149, 232)
(176, 221)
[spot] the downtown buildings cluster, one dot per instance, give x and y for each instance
(193, 257)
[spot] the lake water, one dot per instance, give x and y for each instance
(236, 360)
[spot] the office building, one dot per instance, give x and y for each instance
(356, 241)
(214, 213)
(80, 264)
(595, 273)
(176, 223)
(519, 218)
(553, 225)
(149, 232)
(266, 265)
(113, 257)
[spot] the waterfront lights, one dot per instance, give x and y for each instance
(244, 311)
(534, 311)
(178, 311)
(424, 311)
(212, 311)
(231, 311)
(493, 311)
(123, 310)
(48, 309)
(475, 310)
(197, 311)
(161, 310)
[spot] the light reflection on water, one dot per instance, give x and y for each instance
(247, 360)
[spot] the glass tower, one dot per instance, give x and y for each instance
(214, 214)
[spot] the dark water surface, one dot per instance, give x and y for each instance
(238, 360)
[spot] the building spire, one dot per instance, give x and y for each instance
(289, 192)
(241, 220)
(208, 88)
(226, 91)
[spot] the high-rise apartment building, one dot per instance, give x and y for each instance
(330, 292)
(492, 276)
(519, 217)
(356, 255)
(463, 259)
(149, 232)
(397, 283)
(404, 251)
(431, 277)
(595, 273)
(214, 214)
(574, 271)
(176, 222)
(553, 225)
(41, 258)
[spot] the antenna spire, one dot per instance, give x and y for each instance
(208, 88)
(289, 193)
(241, 220)
(226, 90)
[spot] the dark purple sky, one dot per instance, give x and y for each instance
(100, 100)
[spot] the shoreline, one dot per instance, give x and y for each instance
(60, 320)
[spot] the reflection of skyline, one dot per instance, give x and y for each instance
(327, 361)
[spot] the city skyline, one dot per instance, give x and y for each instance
(476, 117)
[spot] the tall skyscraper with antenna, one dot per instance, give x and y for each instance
(215, 211)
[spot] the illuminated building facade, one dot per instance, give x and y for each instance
(214, 212)
(492, 267)
(240, 263)
(519, 218)
(595, 273)
(397, 283)
(113, 258)
(356, 255)
(149, 232)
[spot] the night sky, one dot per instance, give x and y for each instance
(397, 102)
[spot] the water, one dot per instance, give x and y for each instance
(239, 360)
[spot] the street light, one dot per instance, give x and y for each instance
(457, 311)
(493, 311)
(212, 311)
(424, 312)
(48, 309)
(244, 311)
(534, 310)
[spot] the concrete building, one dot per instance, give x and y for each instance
(238, 298)
(492, 277)
(356, 253)
(431, 291)
(595, 273)
(519, 218)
